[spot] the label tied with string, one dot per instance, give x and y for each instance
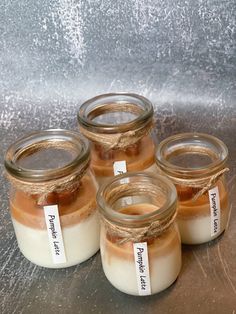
(54, 234)
(142, 268)
(214, 200)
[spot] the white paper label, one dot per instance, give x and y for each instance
(119, 167)
(54, 234)
(215, 210)
(142, 268)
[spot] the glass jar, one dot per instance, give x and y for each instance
(53, 198)
(140, 243)
(119, 127)
(196, 165)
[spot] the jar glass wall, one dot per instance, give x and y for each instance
(140, 243)
(119, 127)
(53, 198)
(196, 164)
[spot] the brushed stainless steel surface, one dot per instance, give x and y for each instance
(179, 54)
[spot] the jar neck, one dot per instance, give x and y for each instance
(137, 189)
(142, 190)
(192, 157)
(27, 168)
(116, 120)
(47, 155)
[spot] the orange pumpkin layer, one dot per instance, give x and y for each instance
(138, 157)
(73, 206)
(188, 209)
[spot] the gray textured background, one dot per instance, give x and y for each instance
(182, 56)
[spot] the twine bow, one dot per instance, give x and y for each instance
(126, 234)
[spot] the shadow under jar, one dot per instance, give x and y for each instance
(196, 164)
(140, 242)
(53, 198)
(119, 127)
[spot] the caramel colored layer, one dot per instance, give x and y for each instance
(188, 209)
(138, 157)
(73, 206)
(157, 246)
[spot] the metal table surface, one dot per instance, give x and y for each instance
(179, 54)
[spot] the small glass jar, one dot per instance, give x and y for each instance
(196, 165)
(53, 198)
(119, 127)
(140, 243)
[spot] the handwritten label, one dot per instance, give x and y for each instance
(215, 210)
(142, 268)
(54, 234)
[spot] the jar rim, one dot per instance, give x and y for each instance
(52, 136)
(163, 212)
(88, 123)
(188, 172)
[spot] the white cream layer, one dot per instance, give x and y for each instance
(122, 274)
(81, 241)
(198, 229)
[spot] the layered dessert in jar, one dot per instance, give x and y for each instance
(140, 242)
(164, 256)
(53, 198)
(196, 164)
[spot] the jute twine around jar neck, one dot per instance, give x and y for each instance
(151, 229)
(204, 184)
(126, 234)
(118, 140)
(43, 189)
(45, 186)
